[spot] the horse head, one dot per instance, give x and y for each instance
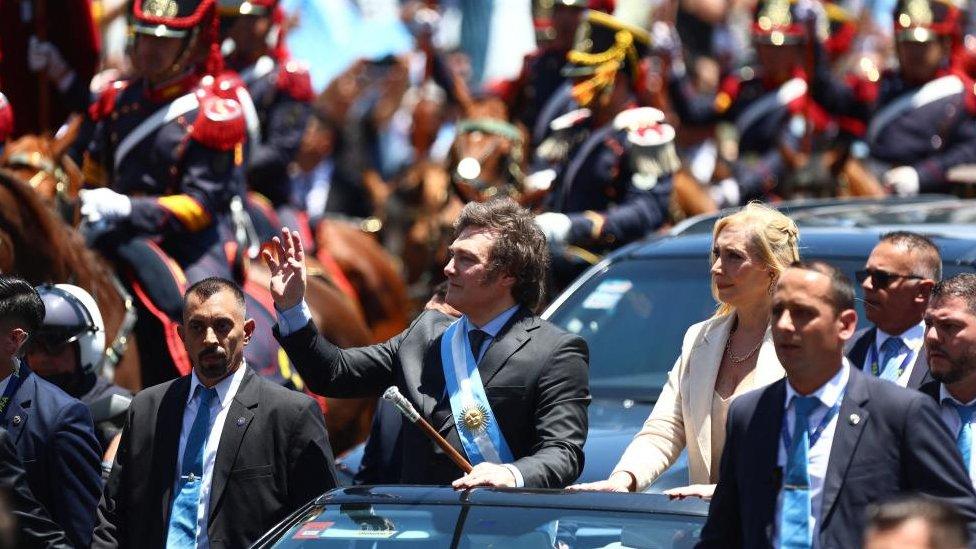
(487, 158)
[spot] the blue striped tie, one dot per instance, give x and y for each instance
(183, 518)
(890, 349)
(965, 438)
(794, 528)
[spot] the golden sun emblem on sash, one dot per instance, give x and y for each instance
(474, 418)
(161, 8)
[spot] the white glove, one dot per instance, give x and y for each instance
(725, 193)
(555, 226)
(104, 204)
(902, 181)
(44, 56)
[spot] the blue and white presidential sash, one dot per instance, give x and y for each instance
(480, 435)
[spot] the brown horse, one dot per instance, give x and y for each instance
(348, 420)
(36, 245)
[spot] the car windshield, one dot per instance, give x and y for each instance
(634, 315)
(402, 526)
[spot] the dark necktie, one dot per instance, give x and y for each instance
(476, 338)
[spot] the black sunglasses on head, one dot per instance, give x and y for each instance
(881, 279)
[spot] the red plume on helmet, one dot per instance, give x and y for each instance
(182, 19)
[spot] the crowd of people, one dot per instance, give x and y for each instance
(209, 156)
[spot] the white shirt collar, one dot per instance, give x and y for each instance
(226, 388)
(945, 396)
(493, 326)
(912, 337)
(829, 393)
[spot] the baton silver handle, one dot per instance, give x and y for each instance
(393, 395)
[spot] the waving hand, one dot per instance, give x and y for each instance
(285, 258)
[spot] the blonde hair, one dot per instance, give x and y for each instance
(774, 239)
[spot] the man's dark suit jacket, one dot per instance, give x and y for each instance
(857, 351)
(267, 465)
(534, 374)
(897, 444)
(33, 527)
(55, 439)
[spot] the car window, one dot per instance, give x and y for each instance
(400, 526)
(634, 315)
(513, 527)
(353, 526)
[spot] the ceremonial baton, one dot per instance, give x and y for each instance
(393, 395)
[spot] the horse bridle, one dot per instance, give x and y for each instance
(45, 166)
(498, 128)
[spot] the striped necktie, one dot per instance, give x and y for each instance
(183, 518)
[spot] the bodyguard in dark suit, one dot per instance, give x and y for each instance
(896, 280)
(32, 524)
(528, 424)
(215, 458)
(950, 339)
(53, 433)
(806, 455)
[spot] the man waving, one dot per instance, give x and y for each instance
(504, 387)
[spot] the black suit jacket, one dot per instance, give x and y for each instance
(267, 465)
(33, 526)
(55, 439)
(534, 374)
(897, 444)
(857, 351)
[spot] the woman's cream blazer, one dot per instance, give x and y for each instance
(682, 415)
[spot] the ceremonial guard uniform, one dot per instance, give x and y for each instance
(57, 41)
(919, 129)
(541, 73)
(167, 158)
(609, 168)
(281, 95)
(766, 109)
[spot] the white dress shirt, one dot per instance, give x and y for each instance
(952, 420)
(913, 338)
(226, 390)
(829, 394)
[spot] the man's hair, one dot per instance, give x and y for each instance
(207, 287)
(519, 250)
(947, 528)
(929, 264)
(20, 303)
(841, 288)
(962, 286)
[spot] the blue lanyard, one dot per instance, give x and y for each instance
(876, 368)
(13, 384)
(815, 435)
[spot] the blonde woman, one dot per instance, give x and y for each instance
(727, 355)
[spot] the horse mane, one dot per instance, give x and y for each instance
(58, 253)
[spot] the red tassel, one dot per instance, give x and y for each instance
(293, 79)
(220, 123)
(6, 118)
(105, 104)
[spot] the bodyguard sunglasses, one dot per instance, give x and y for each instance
(881, 279)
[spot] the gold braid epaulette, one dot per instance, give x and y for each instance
(623, 40)
(608, 64)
